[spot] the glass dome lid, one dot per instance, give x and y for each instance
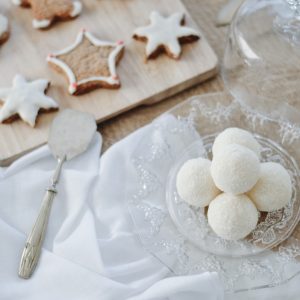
(261, 65)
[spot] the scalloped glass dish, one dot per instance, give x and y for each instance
(177, 234)
(272, 228)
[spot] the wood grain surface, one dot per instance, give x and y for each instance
(27, 48)
(204, 14)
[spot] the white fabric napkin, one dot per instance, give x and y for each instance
(90, 250)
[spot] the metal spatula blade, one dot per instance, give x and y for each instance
(70, 135)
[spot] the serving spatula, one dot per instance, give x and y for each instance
(70, 135)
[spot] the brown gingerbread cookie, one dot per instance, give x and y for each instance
(45, 12)
(25, 100)
(89, 63)
(165, 34)
(4, 30)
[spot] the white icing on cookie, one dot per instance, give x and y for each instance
(17, 2)
(165, 31)
(25, 99)
(41, 23)
(73, 83)
(77, 8)
(3, 25)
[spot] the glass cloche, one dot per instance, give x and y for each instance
(261, 65)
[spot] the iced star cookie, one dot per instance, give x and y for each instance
(25, 100)
(89, 63)
(165, 35)
(4, 30)
(45, 12)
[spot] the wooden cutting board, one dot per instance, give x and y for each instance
(142, 83)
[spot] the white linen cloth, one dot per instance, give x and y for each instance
(90, 251)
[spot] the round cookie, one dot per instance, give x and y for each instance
(273, 190)
(194, 182)
(238, 136)
(235, 170)
(232, 217)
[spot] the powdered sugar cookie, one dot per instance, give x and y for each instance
(25, 99)
(45, 12)
(89, 63)
(4, 30)
(165, 35)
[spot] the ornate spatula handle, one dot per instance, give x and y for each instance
(34, 242)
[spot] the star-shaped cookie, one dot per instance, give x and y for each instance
(4, 31)
(45, 12)
(165, 35)
(25, 99)
(89, 63)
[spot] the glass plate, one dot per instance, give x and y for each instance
(177, 234)
(272, 228)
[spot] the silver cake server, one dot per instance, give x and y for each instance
(70, 135)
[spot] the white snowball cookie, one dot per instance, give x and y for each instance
(236, 136)
(235, 170)
(232, 217)
(273, 189)
(194, 182)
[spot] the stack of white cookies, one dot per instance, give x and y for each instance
(234, 185)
